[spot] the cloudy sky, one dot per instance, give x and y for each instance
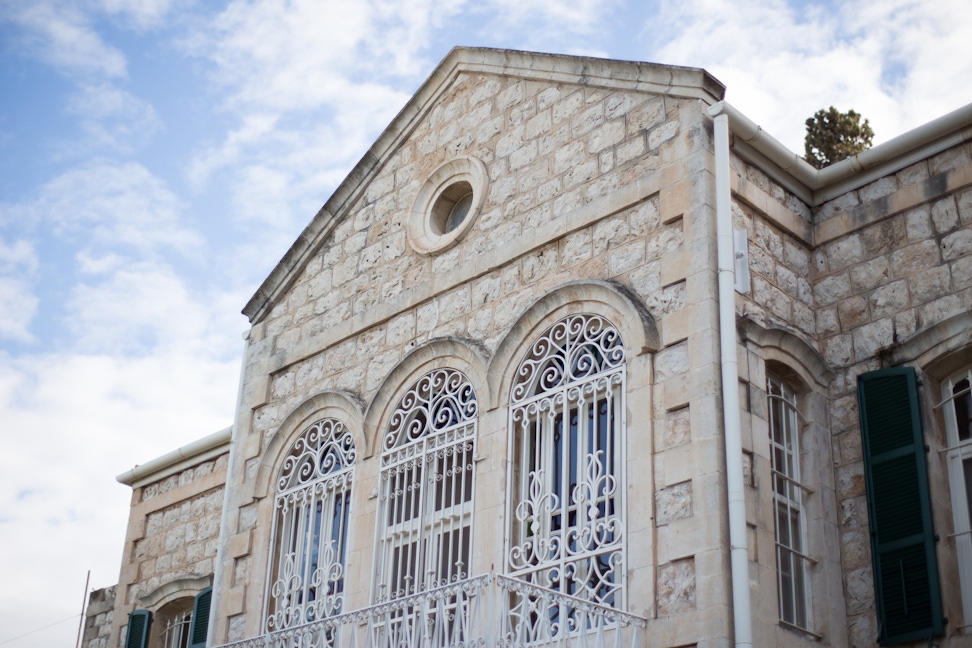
(157, 157)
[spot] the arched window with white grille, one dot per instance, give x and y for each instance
(310, 527)
(567, 441)
(792, 561)
(426, 487)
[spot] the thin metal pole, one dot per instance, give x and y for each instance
(84, 609)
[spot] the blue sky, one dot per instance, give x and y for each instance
(158, 157)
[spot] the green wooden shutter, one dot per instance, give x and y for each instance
(139, 623)
(200, 618)
(908, 597)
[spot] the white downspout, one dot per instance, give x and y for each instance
(224, 531)
(739, 553)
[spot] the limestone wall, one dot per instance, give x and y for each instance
(98, 618)
(171, 540)
(860, 277)
(584, 183)
(894, 258)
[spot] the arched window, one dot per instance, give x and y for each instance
(567, 443)
(426, 487)
(310, 527)
(788, 498)
(957, 392)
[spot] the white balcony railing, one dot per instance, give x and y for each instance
(488, 610)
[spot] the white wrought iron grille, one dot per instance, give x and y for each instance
(174, 628)
(310, 527)
(487, 611)
(788, 495)
(426, 489)
(958, 427)
(567, 443)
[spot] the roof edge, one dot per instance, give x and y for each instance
(817, 186)
(175, 461)
(675, 81)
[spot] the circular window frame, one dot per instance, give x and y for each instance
(447, 186)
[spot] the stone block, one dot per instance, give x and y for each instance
(853, 312)
(676, 587)
(930, 284)
(850, 480)
(962, 273)
(913, 258)
(838, 350)
(889, 298)
(673, 503)
(940, 309)
(871, 337)
(661, 134)
(957, 244)
(827, 321)
(677, 428)
(944, 215)
(845, 252)
(869, 275)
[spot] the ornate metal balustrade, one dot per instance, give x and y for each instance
(488, 610)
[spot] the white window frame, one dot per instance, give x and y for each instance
(567, 491)
(789, 511)
(174, 623)
(958, 456)
(305, 575)
(424, 527)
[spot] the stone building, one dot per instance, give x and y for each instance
(577, 353)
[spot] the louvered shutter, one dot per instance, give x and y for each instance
(139, 623)
(200, 619)
(908, 598)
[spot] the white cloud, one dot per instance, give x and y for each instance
(146, 308)
(70, 423)
(142, 13)
(18, 303)
(111, 206)
(112, 117)
(61, 35)
(782, 63)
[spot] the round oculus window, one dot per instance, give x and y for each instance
(447, 205)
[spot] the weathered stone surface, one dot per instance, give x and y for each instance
(673, 503)
(672, 361)
(957, 245)
(853, 311)
(831, 289)
(889, 298)
(676, 586)
(869, 275)
(677, 428)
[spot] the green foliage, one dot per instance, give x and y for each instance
(833, 136)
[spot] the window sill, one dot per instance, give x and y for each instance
(798, 629)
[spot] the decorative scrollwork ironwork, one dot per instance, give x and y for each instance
(426, 489)
(306, 571)
(572, 350)
(566, 426)
(441, 399)
(325, 447)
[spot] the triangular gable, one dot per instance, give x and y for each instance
(673, 81)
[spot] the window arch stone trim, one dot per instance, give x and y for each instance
(175, 589)
(455, 353)
(338, 405)
(611, 300)
(940, 350)
(784, 347)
